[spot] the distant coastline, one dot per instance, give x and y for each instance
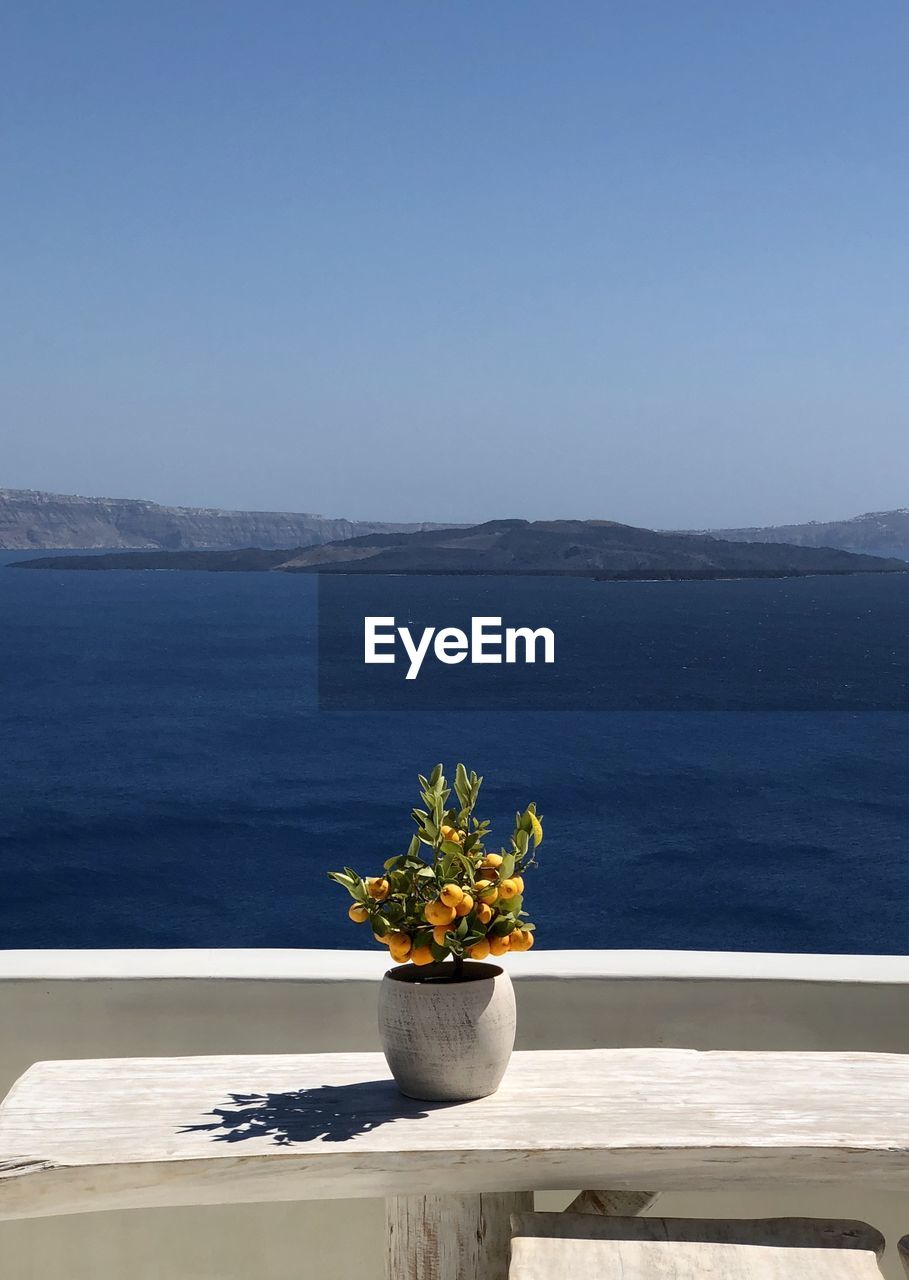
(33, 520)
(618, 575)
(597, 549)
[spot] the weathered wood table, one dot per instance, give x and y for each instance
(89, 1135)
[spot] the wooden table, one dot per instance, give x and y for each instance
(126, 1133)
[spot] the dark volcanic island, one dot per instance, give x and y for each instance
(588, 548)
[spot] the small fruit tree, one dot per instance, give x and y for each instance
(446, 896)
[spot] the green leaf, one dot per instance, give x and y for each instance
(450, 864)
(352, 883)
(512, 905)
(466, 864)
(507, 867)
(462, 785)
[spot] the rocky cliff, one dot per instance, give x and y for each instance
(876, 533)
(30, 519)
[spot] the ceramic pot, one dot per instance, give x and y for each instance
(447, 1039)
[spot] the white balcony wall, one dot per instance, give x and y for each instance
(138, 1003)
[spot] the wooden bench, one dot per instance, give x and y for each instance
(571, 1246)
(86, 1135)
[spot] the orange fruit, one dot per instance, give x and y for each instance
(384, 938)
(358, 913)
(451, 895)
(451, 833)
(438, 913)
(465, 906)
(520, 940)
(439, 934)
(479, 950)
(486, 891)
(377, 887)
(400, 947)
(500, 946)
(508, 888)
(422, 955)
(519, 881)
(484, 913)
(492, 861)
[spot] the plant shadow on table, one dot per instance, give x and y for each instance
(334, 1113)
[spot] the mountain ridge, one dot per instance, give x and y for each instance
(35, 520)
(32, 519)
(882, 533)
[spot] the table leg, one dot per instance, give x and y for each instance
(451, 1237)
(615, 1204)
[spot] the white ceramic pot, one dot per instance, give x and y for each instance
(447, 1040)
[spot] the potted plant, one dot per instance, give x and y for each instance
(443, 908)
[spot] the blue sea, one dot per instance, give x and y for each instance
(167, 778)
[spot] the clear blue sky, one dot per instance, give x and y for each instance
(452, 259)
